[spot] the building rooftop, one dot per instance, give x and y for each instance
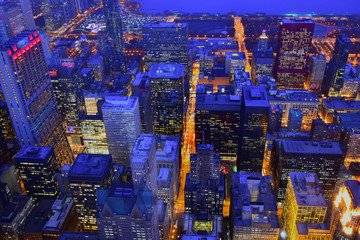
(166, 70)
(34, 154)
(311, 147)
(297, 20)
(60, 209)
(168, 148)
(38, 216)
(353, 187)
(341, 103)
(255, 96)
(349, 120)
(305, 228)
(90, 165)
(254, 200)
(142, 148)
(236, 55)
(293, 96)
(164, 178)
(95, 59)
(218, 102)
(15, 44)
(119, 103)
(12, 209)
(307, 189)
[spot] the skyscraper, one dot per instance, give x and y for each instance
(114, 54)
(94, 134)
(316, 73)
(322, 158)
(334, 77)
(304, 202)
(143, 162)
(253, 127)
(254, 210)
(262, 60)
(122, 125)
(88, 174)
(295, 120)
(166, 42)
(204, 187)
(295, 37)
(53, 14)
(217, 122)
(167, 98)
(29, 95)
(127, 215)
(38, 169)
(11, 21)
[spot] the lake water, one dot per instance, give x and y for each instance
(253, 6)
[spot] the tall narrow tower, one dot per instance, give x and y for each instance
(295, 37)
(115, 47)
(29, 95)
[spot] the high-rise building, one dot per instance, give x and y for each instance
(60, 219)
(262, 59)
(275, 117)
(94, 134)
(295, 37)
(29, 95)
(122, 125)
(53, 14)
(37, 167)
(114, 55)
(11, 21)
(166, 42)
(7, 127)
(97, 64)
(322, 158)
(168, 156)
(253, 127)
(334, 77)
(304, 202)
(316, 73)
(165, 190)
(322, 131)
(295, 120)
(167, 98)
(69, 96)
(127, 215)
(234, 61)
(204, 187)
(306, 101)
(254, 213)
(88, 174)
(345, 215)
(330, 106)
(140, 88)
(352, 140)
(143, 162)
(26, 9)
(15, 215)
(217, 122)
(69, 10)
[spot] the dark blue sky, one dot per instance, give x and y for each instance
(252, 6)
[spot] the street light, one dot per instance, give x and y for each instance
(283, 234)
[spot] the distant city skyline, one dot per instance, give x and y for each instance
(242, 6)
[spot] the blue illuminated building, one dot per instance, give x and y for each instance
(89, 173)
